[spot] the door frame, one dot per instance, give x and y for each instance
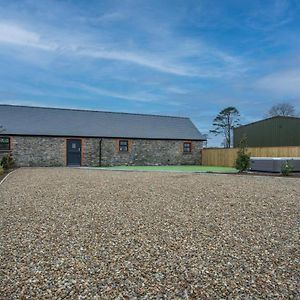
(81, 149)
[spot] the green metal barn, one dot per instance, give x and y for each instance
(272, 132)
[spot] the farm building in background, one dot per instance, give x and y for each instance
(272, 132)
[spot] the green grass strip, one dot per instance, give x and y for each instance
(193, 168)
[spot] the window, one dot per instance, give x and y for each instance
(187, 147)
(123, 146)
(4, 143)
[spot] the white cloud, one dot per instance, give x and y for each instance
(139, 97)
(174, 61)
(270, 15)
(16, 35)
(139, 59)
(284, 84)
(107, 18)
(177, 90)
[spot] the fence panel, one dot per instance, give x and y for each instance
(227, 157)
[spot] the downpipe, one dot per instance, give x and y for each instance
(100, 152)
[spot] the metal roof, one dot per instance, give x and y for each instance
(270, 118)
(272, 132)
(41, 121)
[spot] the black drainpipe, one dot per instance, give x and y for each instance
(100, 154)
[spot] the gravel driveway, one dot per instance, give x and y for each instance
(84, 234)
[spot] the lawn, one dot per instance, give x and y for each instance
(202, 169)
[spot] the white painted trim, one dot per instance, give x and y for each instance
(2, 181)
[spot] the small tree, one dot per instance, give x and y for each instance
(286, 168)
(7, 162)
(282, 109)
(224, 123)
(242, 162)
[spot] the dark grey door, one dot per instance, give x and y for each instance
(73, 152)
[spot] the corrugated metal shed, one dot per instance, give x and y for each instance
(26, 120)
(272, 132)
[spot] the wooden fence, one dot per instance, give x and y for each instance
(227, 157)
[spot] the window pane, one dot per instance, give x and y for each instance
(187, 147)
(4, 143)
(123, 146)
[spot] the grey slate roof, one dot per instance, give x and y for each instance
(26, 120)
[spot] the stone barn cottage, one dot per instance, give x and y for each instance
(37, 136)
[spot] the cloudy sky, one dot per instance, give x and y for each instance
(176, 57)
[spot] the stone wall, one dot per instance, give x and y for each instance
(30, 151)
(149, 152)
(51, 151)
(91, 152)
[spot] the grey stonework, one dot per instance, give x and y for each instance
(149, 152)
(30, 151)
(91, 152)
(51, 151)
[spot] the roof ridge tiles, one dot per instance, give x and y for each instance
(91, 110)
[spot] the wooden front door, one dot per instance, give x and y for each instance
(73, 152)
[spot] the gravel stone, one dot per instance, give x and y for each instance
(84, 234)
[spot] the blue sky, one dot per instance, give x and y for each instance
(176, 57)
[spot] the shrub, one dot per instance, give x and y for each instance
(286, 168)
(242, 161)
(7, 162)
(1, 170)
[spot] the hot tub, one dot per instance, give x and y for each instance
(273, 164)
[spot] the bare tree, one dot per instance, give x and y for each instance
(1, 128)
(282, 109)
(224, 122)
